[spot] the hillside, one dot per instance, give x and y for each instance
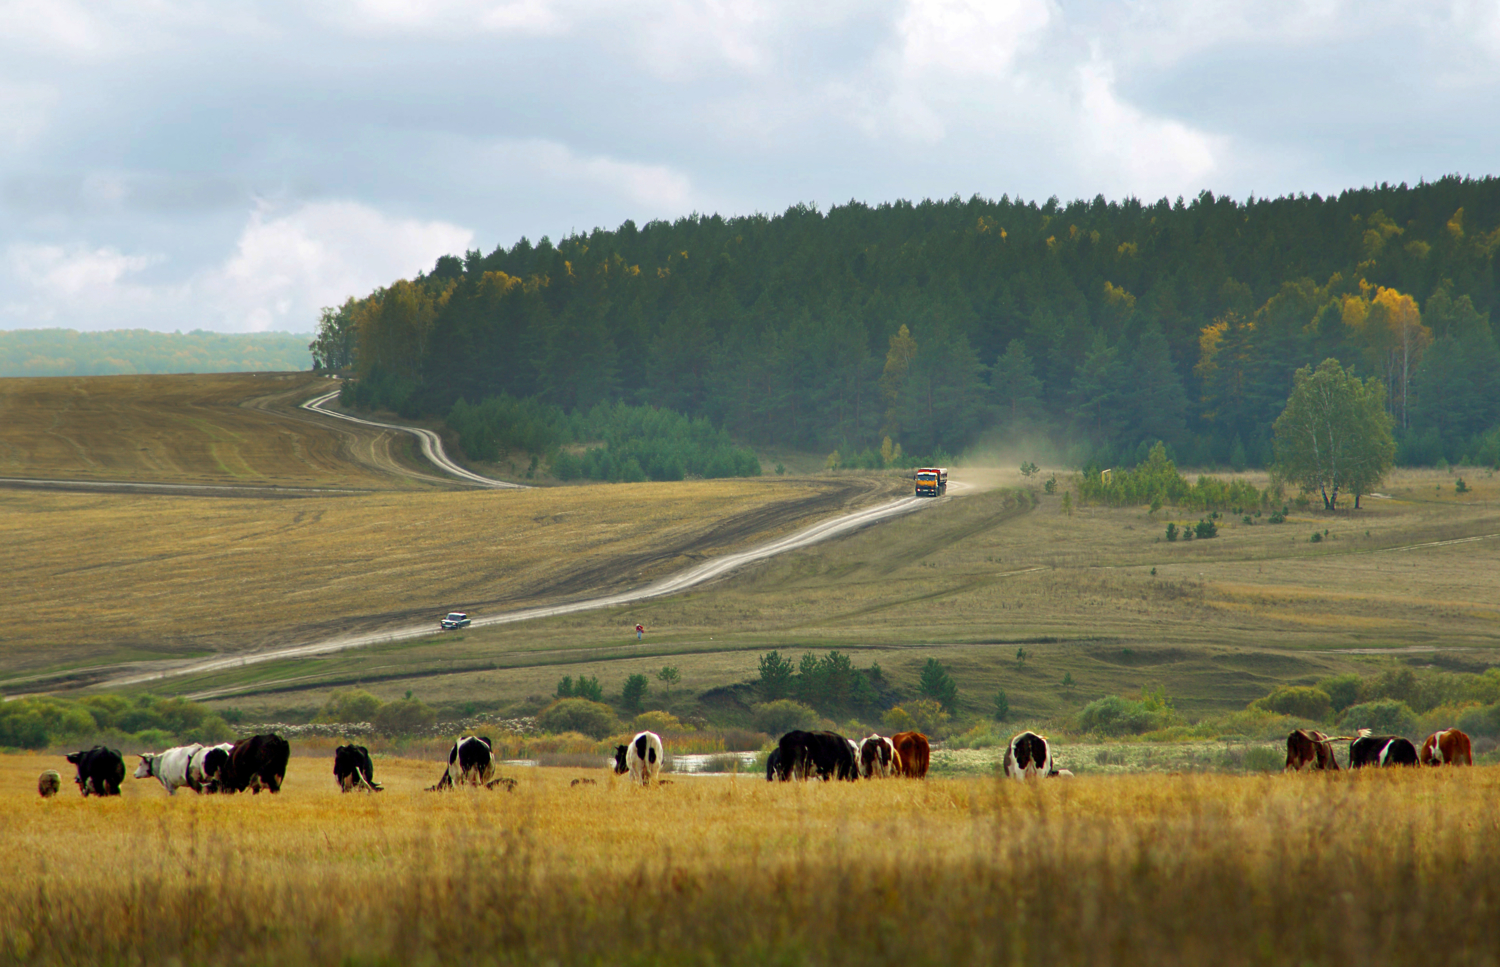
(1104, 325)
(67, 352)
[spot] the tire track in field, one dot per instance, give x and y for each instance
(692, 577)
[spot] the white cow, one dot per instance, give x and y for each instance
(171, 767)
(641, 758)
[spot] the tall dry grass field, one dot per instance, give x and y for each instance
(1400, 867)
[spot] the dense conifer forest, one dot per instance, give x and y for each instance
(946, 325)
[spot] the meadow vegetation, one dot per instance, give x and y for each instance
(115, 577)
(1212, 870)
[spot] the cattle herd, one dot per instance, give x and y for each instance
(260, 761)
(1314, 750)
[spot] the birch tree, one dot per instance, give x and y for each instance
(1335, 434)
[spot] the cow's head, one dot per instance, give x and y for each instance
(620, 767)
(144, 770)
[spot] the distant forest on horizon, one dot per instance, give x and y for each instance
(115, 352)
(943, 325)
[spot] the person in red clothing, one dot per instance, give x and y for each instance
(639, 630)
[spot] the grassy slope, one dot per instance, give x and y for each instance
(121, 577)
(971, 580)
(1212, 870)
(221, 429)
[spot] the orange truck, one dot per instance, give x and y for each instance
(932, 481)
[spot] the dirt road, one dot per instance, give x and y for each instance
(672, 584)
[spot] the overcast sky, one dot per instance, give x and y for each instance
(235, 166)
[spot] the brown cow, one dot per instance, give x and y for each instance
(1307, 747)
(1449, 747)
(914, 752)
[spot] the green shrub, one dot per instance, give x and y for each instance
(1483, 721)
(658, 721)
(1205, 529)
(1383, 717)
(349, 705)
(922, 715)
(1299, 701)
(1172, 532)
(404, 716)
(782, 716)
(593, 719)
(1115, 715)
(1343, 690)
(1002, 706)
(1258, 758)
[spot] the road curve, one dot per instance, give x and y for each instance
(671, 584)
(432, 445)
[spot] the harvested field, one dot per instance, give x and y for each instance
(127, 578)
(1212, 870)
(238, 429)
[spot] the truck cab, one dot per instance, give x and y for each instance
(932, 481)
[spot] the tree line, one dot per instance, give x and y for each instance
(941, 324)
(67, 352)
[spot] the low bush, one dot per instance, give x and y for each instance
(922, 715)
(1383, 717)
(782, 716)
(1481, 721)
(1300, 701)
(403, 716)
(593, 719)
(349, 705)
(658, 721)
(1115, 715)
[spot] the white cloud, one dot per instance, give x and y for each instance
(970, 36)
(1130, 152)
(453, 16)
(658, 188)
(284, 268)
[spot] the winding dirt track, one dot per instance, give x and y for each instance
(432, 445)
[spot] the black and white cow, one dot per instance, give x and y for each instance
(826, 754)
(209, 767)
(1028, 755)
(469, 761)
(641, 758)
(170, 767)
(1381, 750)
(353, 769)
(100, 771)
(256, 763)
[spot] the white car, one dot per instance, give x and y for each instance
(455, 619)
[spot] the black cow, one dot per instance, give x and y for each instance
(256, 763)
(826, 753)
(773, 766)
(353, 769)
(470, 760)
(1381, 750)
(100, 771)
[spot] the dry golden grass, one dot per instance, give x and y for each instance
(113, 577)
(1396, 867)
(1220, 623)
(231, 429)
